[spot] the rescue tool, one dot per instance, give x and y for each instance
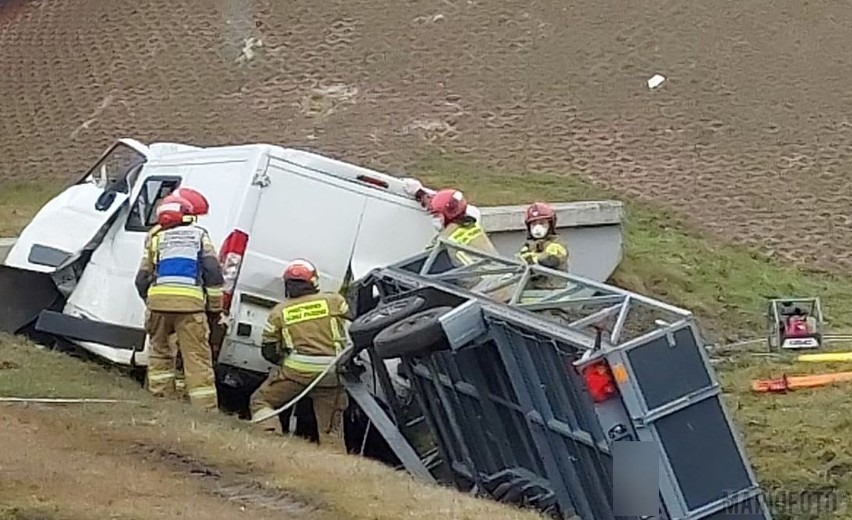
(785, 383)
(794, 323)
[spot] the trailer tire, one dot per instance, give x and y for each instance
(417, 334)
(365, 327)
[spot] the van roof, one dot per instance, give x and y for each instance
(301, 158)
(343, 170)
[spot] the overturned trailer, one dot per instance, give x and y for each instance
(529, 396)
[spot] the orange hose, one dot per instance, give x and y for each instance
(785, 383)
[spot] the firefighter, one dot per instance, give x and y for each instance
(199, 207)
(543, 246)
(302, 337)
(180, 278)
(453, 222)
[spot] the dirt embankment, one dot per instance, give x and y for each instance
(749, 136)
(72, 471)
(156, 459)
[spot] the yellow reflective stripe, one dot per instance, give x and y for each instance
(302, 312)
(304, 367)
(171, 290)
(464, 258)
(153, 253)
(269, 327)
(556, 249)
(464, 236)
(288, 339)
(214, 291)
(311, 360)
(336, 334)
(202, 391)
(154, 375)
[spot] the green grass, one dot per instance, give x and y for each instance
(19, 201)
(797, 442)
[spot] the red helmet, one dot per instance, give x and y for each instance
(301, 270)
(539, 211)
(196, 200)
(172, 209)
(449, 204)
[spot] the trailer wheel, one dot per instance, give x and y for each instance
(365, 327)
(417, 334)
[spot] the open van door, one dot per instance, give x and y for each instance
(34, 272)
(68, 223)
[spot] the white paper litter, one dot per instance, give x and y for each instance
(656, 80)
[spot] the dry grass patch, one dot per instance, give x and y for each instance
(325, 484)
(19, 201)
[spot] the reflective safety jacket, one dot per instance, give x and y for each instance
(180, 271)
(214, 303)
(473, 236)
(546, 252)
(470, 235)
(308, 331)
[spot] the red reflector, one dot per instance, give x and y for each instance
(237, 242)
(372, 180)
(599, 381)
(231, 259)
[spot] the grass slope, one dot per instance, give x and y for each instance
(797, 442)
(339, 487)
(20, 200)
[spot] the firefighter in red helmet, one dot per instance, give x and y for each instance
(198, 207)
(303, 335)
(543, 246)
(179, 278)
(199, 203)
(451, 216)
(453, 222)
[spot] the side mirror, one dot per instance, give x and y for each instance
(105, 201)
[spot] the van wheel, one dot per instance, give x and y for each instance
(365, 327)
(418, 334)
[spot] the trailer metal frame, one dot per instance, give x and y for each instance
(509, 408)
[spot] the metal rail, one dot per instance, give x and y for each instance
(579, 304)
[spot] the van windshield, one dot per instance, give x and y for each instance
(117, 169)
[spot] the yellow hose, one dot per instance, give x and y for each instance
(826, 357)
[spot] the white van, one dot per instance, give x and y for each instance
(268, 205)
